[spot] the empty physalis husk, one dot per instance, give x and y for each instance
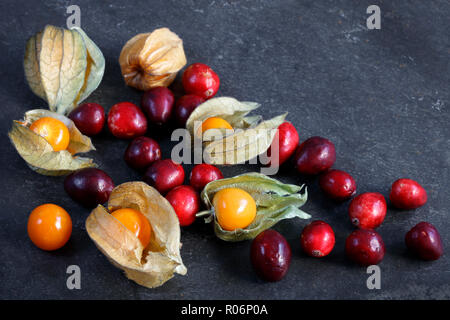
(153, 265)
(275, 201)
(40, 155)
(153, 59)
(248, 138)
(63, 67)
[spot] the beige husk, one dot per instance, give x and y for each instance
(151, 266)
(39, 154)
(248, 139)
(153, 59)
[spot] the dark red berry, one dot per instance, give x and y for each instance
(365, 247)
(407, 194)
(89, 118)
(424, 241)
(367, 211)
(184, 107)
(337, 184)
(164, 175)
(270, 255)
(202, 174)
(317, 239)
(314, 155)
(286, 141)
(126, 121)
(186, 203)
(157, 104)
(201, 80)
(141, 152)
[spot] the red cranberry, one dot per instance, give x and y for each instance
(157, 104)
(89, 186)
(201, 80)
(89, 118)
(337, 184)
(164, 175)
(126, 121)
(270, 255)
(141, 152)
(186, 203)
(365, 247)
(287, 142)
(314, 156)
(317, 239)
(367, 211)
(407, 194)
(184, 107)
(424, 241)
(202, 174)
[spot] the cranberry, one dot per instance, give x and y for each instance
(317, 239)
(89, 118)
(141, 152)
(407, 194)
(89, 186)
(365, 247)
(338, 184)
(270, 255)
(201, 80)
(186, 203)
(126, 121)
(286, 144)
(164, 175)
(184, 107)
(424, 241)
(157, 104)
(367, 211)
(314, 155)
(202, 174)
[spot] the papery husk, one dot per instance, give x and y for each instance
(275, 201)
(153, 59)
(63, 67)
(151, 266)
(250, 136)
(39, 154)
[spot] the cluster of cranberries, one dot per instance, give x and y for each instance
(270, 252)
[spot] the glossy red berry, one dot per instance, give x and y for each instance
(164, 175)
(184, 107)
(337, 184)
(157, 104)
(270, 255)
(367, 210)
(407, 194)
(126, 121)
(201, 80)
(186, 203)
(314, 156)
(202, 174)
(317, 239)
(141, 152)
(286, 141)
(424, 241)
(89, 118)
(365, 247)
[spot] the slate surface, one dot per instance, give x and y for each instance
(381, 96)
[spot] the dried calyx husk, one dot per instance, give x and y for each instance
(274, 200)
(249, 138)
(151, 266)
(39, 154)
(63, 67)
(152, 59)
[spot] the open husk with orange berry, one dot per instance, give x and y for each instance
(40, 154)
(149, 265)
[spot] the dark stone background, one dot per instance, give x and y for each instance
(382, 96)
